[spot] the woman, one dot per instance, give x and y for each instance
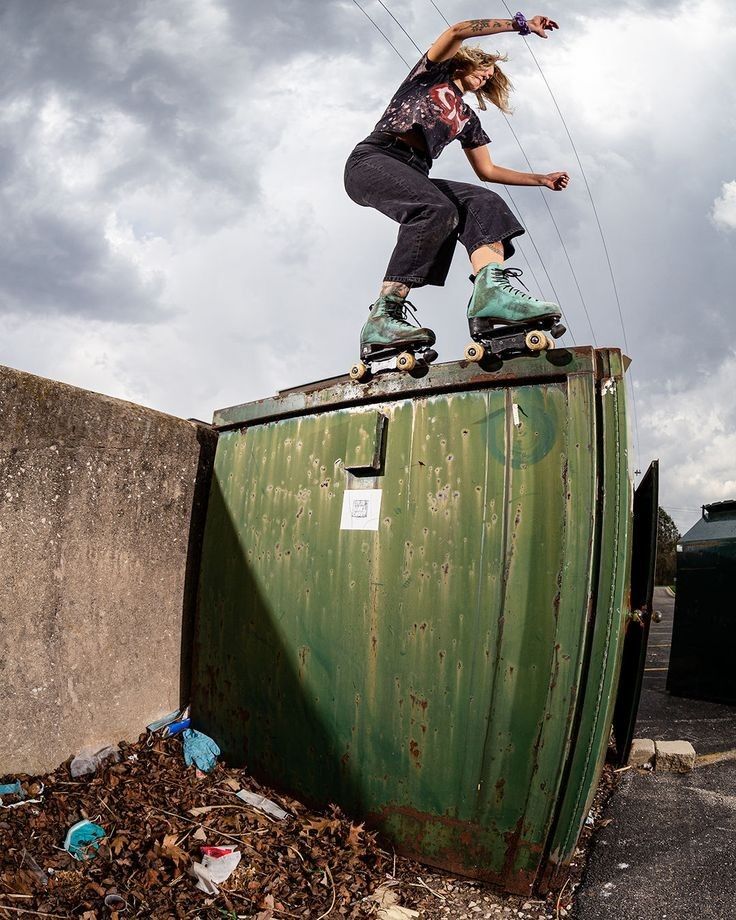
(389, 171)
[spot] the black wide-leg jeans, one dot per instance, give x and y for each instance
(390, 176)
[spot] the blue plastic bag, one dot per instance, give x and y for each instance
(199, 749)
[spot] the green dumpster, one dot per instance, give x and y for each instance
(413, 599)
(704, 626)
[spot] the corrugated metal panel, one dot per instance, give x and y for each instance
(449, 675)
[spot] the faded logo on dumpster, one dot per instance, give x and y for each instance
(533, 430)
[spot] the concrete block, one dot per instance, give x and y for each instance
(642, 752)
(675, 756)
(101, 513)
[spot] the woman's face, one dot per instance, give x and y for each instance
(472, 81)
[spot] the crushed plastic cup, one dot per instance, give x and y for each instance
(218, 864)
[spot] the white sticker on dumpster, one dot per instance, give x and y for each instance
(361, 509)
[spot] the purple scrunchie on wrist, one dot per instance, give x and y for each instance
(520, 20)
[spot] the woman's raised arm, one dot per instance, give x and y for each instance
(448, 44)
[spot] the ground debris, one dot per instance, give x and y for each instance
(158, 814)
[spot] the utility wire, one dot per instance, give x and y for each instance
(513, 203)
(559, 234)
(597, 220)
(546, 204)
(400, 26)
(382, 32)
(595, 212)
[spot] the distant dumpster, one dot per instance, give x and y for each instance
(704, 627)
(413, 601)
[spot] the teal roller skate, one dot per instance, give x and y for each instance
(388, 341)
(504, 320)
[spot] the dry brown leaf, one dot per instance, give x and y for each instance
(354, 835)
(323, 824)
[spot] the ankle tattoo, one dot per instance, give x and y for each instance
(395, 289)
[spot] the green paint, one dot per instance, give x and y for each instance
(387, 325)
(494, 297)
(427, 675)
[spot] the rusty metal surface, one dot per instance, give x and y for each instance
(447, 675)
(337, 392)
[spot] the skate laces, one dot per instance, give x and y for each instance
(509, 274)
(403, 310)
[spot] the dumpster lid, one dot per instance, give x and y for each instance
(339, 392)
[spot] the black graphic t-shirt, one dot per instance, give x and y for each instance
(431, 103)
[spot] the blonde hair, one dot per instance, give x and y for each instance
(497, 88)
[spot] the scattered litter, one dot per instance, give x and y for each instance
(163, 722)
(199, 749)
(263, 804)
(12, 789)
(218, 864)
(15, 790)
(90, 758)
(34, 868)
(389, 908)
(159, 821)
(177, 727)
(83, 839)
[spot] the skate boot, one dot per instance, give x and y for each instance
(388, 341)
(503, 319)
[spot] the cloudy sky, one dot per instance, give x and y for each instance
(174, 229)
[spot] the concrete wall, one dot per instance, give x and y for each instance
(101, 511)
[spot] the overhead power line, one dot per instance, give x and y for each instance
(597, 220)
(595, 213)
(367, 15)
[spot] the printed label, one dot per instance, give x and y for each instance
(361, 509)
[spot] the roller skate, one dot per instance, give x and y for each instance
(505, 321)
(388, 341)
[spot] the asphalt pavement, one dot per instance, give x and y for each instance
(669, 852)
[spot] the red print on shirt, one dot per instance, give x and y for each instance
(446, 100)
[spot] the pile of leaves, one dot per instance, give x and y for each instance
(157, 814)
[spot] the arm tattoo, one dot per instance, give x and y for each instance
(480, 25)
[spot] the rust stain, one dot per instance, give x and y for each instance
(466, 855)
(419, 702)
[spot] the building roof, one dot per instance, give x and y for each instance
(717, 523)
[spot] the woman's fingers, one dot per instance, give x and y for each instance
(539, 23)
(557, 181)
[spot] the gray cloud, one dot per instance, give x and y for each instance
(173, 168)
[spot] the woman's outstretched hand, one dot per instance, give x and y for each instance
(556, 181)
(539, 23)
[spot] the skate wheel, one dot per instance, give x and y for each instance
(558, 330)
(358, 371)
(550, 342)
(406, 361)
(474, 352)
(430, 356)
(535, 340)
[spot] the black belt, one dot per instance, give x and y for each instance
(384, 136)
